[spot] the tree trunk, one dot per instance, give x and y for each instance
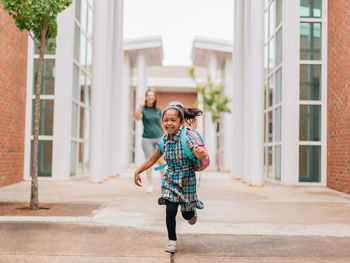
(34, 197)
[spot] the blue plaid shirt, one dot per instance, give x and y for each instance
(179, 181)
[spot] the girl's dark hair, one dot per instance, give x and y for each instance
(155, 101)
(189, 114)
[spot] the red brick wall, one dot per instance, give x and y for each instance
(187, 99)
(338, 173)
(13, 67)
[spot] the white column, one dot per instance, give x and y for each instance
(125, 135)
(61, 154)
(248, 133)
(97, 153)
(140, 93)
(108, 91)
(238, 92)
(290, 93)
(257, 94)
(117, 85)
(209, 126)
(227, 122)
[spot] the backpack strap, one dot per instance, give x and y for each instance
(161, 147)
(184, 145)
(199, 135)
(160, 167)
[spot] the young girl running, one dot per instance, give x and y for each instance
(179, 182)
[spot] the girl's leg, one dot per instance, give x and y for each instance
(187, 215)
(171, 211)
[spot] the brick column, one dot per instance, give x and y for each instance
(13, 68)
(338, 172)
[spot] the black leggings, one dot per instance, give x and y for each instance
(171, 211)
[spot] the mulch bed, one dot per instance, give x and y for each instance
(47, 209)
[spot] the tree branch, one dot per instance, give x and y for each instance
(32, 37)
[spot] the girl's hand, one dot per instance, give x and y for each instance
(137, 179)
(199, 152)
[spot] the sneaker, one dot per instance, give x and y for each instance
(149, 189)
(193, 220)
(171, 247)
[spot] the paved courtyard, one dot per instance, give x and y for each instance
(239, 224)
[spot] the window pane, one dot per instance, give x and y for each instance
(48, 76)
(83, 47)
(73, 158)
(265, 126)
(266, 26)
(75, 82)
(82, 87)
(83, 21)
(88, 94)
(272, 18)
(89, 57)
(310, 82)
(310, 8)
(266, 3)
(81, 125)
(279, 47)
(278, 12)
(36, 50)
(310, 41)
(310, 164)
(270, 126)
(76, 43)
(265, 95)
(277, 163)
(74, 120)
(272, 56)
(278, 124)
(265, 162)
(310, 123)
(270, 90)
(278, 93)
(77, 9)
(266, 58)
(86, 156)
(44, 158)
(269, 163)
(90, 23)
(80, 158)
(46, 117)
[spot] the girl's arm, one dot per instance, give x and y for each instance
(143, 167)
(199, 152)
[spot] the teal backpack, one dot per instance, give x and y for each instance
(198, 165)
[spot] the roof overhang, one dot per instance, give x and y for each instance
(151, 47)
(203, 48)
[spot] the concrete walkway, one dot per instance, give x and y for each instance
(273, 223)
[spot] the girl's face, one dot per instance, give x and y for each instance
(171, 122)
(150, 98)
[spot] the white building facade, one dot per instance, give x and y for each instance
(276, 76)
(280, 65)
(81, 83)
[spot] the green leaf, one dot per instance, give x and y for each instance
(212, 98)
